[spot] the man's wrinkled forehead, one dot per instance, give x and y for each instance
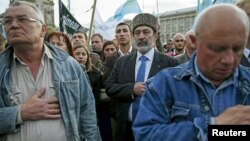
(20, 11)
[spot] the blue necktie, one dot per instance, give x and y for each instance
(141, 71)
(140, 78)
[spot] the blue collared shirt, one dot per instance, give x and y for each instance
(219, 96)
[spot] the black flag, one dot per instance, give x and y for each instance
(68, 24)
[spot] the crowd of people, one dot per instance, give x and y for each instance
(53, 87)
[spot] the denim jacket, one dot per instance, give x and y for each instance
(176, 107)
(72, 89)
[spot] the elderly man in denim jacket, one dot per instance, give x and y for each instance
(211, 88)
(44, 94)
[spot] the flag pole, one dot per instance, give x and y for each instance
(91, 22)
(157, 8)
(69, 4)
(142, 5)
(60, 11)
(158, 40)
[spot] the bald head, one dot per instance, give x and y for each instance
(190, 46)
(178, 35)
(221, 17)
(221, 33)
(187, 35)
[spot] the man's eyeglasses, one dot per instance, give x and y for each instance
(19, 19)
(181, 40)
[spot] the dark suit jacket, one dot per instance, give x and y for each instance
(244, 61)
(110, 62)
(121, 81)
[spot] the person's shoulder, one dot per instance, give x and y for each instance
(244, 72)
(94, 72)
(169, 59)
(113, 56)
(56, 52)
(172, 71)
(164, 55)
(179, 56)
(6, 56)
(244, 68)
(171, 53)
(62, 56)
(128, 56)
(166, 74)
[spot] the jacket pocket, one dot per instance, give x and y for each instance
(179, 113)
(70, 92)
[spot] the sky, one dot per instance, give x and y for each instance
(81, 9)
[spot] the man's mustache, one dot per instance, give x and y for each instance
(142, 43)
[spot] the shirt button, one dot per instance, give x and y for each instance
(206, 108)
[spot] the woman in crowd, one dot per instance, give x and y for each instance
(61, 40)
(82, 55)
(108, 48)
(108, 105)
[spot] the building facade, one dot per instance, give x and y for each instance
(178, 21)
(47, 7)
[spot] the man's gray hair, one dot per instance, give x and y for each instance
(33, 6)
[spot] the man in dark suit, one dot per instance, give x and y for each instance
(123, 36)
(123, 85)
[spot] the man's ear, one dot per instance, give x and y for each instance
(156, 35)
(193, 39)
(185, 42)
(44, 30)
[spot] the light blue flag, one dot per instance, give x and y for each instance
(202, 4)
(130, 6)
(223, 1)
(107, 29)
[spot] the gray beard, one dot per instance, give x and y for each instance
(143, 49)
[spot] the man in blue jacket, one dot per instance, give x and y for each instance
(180, 102)
(44, 94)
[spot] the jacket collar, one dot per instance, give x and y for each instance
(188, 69)
(7, 55)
